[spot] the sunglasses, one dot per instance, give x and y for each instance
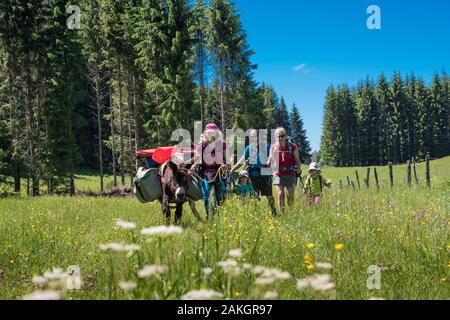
(282, 136)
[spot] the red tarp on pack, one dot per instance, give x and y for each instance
(161, 154)
(145, 153)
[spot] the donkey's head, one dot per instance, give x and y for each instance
(177, 178)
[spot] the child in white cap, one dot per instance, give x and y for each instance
(314, 184)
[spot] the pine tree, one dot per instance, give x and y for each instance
(347, 120)
(198, 31)
(299, 135)
(332, 142)
(399, 118)
(282, 117)
(386, 151)
(439, 109)
(424, 124)
(367, 123)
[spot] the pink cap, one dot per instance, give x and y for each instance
(211, 127)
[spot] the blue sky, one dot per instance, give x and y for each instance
(304, 46)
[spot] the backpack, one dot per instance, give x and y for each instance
(291, 151)
(320, 182)
(147, 185)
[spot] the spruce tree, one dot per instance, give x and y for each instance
(298, 135)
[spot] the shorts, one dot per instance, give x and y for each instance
(285, 181)
(262, 185)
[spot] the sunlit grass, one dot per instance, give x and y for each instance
(403, 230)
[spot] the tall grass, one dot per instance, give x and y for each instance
(404, 231)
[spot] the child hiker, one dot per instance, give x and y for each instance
(314, 184)
(244, 188)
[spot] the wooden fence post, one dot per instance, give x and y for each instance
(366, 181)
(348, 182)
(414, 170)
(375, 173)
(353, 185)
(357, 179)
(340, 184)
(408, 172)
(427, 172)
(391, 175)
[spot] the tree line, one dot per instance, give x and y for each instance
(386, 121)
(134, 72)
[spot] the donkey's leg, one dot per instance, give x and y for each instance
(194, 210)
(178, 212)
(165, 207)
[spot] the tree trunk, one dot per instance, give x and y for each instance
(136, 120)
(222, 111)
(113, 139)
(99, 125)
(121, 142)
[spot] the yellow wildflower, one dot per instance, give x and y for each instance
(338, 246)
(310, 245)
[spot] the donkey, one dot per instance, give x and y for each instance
(174, 181)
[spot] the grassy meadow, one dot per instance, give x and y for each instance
(403, 231)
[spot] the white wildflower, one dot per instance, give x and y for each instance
(246, 266)
(321, 282)
(302, 284)
(39, 281)
(235, 253)
(264, 281)
(207, 271)
(127, 286)
(151, 270)
(43, 295)
(120, 247)
(271, 295)
(324, 265)
(375, 298)
(202, 295)
(111, 246)
(161, 230)
(230, 267)
(125, 224)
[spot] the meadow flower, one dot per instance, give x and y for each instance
(111, 246)
(338, 246)
(120, 247)
(246, 266)
(207, 271)
(230, 267)
(39, 281)
(161, 231)
(125, 224)
(151, 270)
(235, 253)
(204, 294)
(320, 282)
(269, 275)
(310, 245)
(43, 295)
(127, 286)
(324, 265)
(271, 295)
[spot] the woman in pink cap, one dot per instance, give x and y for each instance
(211, 155)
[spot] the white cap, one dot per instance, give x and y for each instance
(314, 166)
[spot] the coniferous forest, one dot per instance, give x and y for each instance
(386, 121)
(134, 71)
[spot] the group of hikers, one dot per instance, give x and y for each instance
(282, 169)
